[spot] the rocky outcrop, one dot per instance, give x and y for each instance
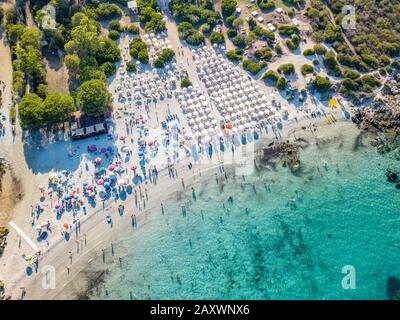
(287, 153)
(384, 122)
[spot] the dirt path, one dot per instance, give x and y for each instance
(30, 22)
(332, 19)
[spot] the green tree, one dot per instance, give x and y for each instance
(72, 62)
(31, 110)
(31, 37)
(57, 107)
(108, 68)
(321, 84)
(185, 82)
(228, 7)
(217, 37)
(93, 98)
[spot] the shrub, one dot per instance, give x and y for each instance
(321, 84)
(114, 35)
(271, 76)
(252, 66)
(309, 52)
(264, 53)
(115, 25)
(278, 48)
(287, 30)
(108, 68)
(143, 56)
(228, 7)
(217, 37)
(281, 83)
(306, 69)
(266, 5)
(233, 56)
(133, 29)
(231, 33)
(319, 49)
(185, 82)
(287, 68)
(131, 66)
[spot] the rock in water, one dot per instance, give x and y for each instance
(391, 176)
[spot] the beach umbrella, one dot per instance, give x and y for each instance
(97, 160)
(102, 170)
(133, 167)
(111, 167)
(67, 197)
(107, 185)
(57, 205)
(92, 147)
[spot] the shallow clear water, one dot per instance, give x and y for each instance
(343, 214)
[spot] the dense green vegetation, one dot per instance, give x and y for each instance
(185, 82)
(217, 37)
(252, 66)
(35, 112)
(235, 55)
(271, 76)
(93, 98)
(306, 69)
(287, 69)
(138, 50)
(321, 84)
(150, 16)
(188, 33)
(293, 43)
(376, 39)
(164, 58)
(266, 5)
(88, 56)
(195, 19)
(228, 7)
(264, 53)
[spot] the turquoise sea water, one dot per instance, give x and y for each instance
(342, 213)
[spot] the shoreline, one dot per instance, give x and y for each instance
(98, 232)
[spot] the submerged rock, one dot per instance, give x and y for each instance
(391, 176)
(288, 154)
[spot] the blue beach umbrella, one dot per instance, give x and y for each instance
(256, 136)
(210, 150)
